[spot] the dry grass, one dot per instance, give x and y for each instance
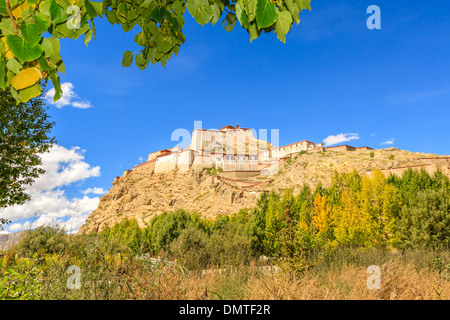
(399, 281)
(404, 276)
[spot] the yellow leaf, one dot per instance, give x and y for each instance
(26, 78)
(17, 11)
(8, 54)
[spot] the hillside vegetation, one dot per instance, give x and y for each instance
(140, 194)
(313, 245)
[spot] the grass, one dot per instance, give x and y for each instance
(410, 275)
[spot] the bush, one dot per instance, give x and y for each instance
(128, 233)
(224, 247)
(42, 240)
(166, 227)
(372, 154)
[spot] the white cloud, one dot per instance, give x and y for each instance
(63, 167)
(69, 97)
(388, 142)
(94, 191)
(49, 203)
(340, 138)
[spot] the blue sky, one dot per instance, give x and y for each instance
(333, 76)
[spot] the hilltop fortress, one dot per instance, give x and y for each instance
(230, 149)
(224, 171)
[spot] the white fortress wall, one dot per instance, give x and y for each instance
(166, 163)
(185, 160)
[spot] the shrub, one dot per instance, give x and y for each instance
(224, 247)
(128, 233)
(165, 228)
(42, 240)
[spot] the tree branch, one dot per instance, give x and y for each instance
(8, 9)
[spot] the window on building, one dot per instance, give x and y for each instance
(229, 159)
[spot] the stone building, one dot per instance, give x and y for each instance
(230, 149)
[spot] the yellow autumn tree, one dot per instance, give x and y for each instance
(322, 219)
(351, 223)
(381, 203)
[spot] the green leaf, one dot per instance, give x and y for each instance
(147, 3)
(177, 8)
(62, 31)
(14, 65)
(140, 39)
(216, 13)
(127, 59)
(43, 63)
(112, 16)
(87, 37)
(2, 73)
(122, 9)
(140, 61)
(304, 4)
(82, 30)
(29, 93)
(266, 14)
(293, 9)
(283, 25)
(22, 49)
(57, 14)
(60, 67)
(164, 46)
(158, 14)
(26, 13)
(90, 9)
(42, 22)
(229, 22)
(51, 46)
(7, 27)
(30, 33)
(97, 7)
(200, 10)
(254, 32)
(57, 85)
(241, 16)
(3, 10)
(251, 14)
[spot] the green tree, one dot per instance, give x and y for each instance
(126, 232)
(42, 240)
(426, 221)
(24, 136)
(30, 31)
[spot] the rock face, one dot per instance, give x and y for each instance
(11, 239)
(142, 194)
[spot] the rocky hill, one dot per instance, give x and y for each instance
(8, 240)
(141, 194)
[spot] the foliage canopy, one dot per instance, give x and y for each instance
(30, 31)
(24, 135)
